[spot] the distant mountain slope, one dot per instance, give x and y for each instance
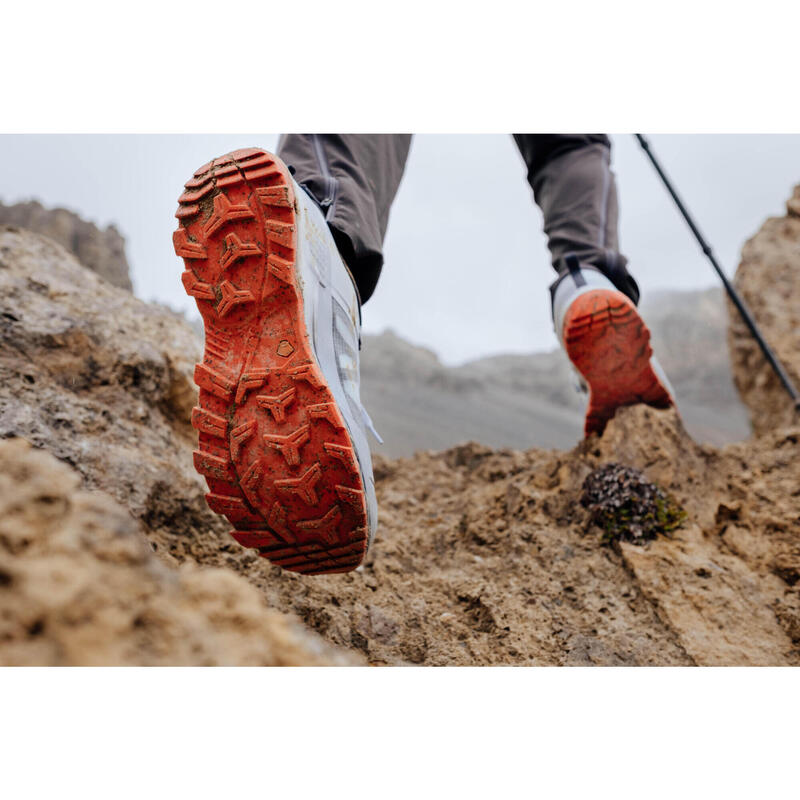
(530, 400)
(690, 337)
(419, 404)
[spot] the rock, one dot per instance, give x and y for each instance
(104, 382)
(724, 606)
(482, 556)
(793, 203)
(768, 278)
(80, 586)
(102, 251)
(721, 611)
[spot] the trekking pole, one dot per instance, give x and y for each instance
(732, 293)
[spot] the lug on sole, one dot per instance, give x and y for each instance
(609, 343)
(273, 446)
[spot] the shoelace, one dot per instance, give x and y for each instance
(368, 424)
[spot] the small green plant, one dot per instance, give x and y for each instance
(628, 507)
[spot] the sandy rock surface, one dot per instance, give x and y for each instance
(79, 585)
(482, 556)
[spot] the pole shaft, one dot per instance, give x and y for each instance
(729, 288)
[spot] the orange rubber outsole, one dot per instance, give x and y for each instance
(609, 343)
(273, 446)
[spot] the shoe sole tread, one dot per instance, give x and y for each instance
(273, 445)
(609, 343)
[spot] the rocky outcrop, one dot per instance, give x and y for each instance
(768, 278)
(102, 251)
(481, 557)
(101, 380)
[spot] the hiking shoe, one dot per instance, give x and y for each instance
(608, 343)
(282, 432)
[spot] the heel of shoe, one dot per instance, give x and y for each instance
(608, 342)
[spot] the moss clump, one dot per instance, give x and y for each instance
(628, 507)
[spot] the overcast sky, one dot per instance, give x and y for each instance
(464, 225)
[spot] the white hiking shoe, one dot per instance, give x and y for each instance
(608, 344)
(282, 432)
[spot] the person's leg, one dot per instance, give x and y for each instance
(594, 297)
(573, 184)
(354, 179)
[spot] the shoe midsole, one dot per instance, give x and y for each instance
(320, 286)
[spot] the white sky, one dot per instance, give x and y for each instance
(467, 268)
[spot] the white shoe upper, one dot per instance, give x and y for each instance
(332, 318)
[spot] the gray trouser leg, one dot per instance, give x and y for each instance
(354, 179)
(573, 184)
